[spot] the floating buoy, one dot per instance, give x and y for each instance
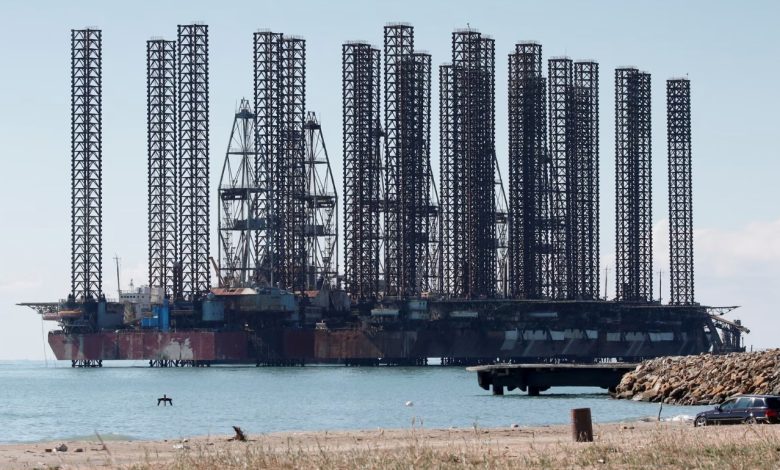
(409, 403)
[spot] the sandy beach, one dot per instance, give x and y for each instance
(616, 445)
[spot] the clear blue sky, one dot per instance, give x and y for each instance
(729, 51)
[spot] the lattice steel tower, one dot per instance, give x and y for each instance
(268, 129)
(407, 163)
(280, 101)
(563, 180)
(584, 265)
(573, 90)
(292, 190)
(193, 125)
(633, 198)
(678, 135)
(237, 190)
(529, 172)
(467, 120)
(321, 229)
(362, 168)
(162, 163)
(86, 106)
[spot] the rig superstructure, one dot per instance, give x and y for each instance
(466, 271)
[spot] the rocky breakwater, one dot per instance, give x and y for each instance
(702, 380)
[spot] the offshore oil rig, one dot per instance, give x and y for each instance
(469, 271)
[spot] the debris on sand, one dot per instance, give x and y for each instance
(240, 436)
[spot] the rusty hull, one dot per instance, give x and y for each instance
(505, 332)
(145, 345)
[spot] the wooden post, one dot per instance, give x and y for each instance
(581, 425)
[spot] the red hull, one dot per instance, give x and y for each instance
(144, 345)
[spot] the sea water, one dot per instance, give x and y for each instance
(53, 401)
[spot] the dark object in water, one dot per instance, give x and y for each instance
(165, 400)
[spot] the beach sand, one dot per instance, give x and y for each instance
(615, 445)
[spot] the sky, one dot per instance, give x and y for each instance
(727, 49)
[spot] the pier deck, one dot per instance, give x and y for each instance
(536, 378)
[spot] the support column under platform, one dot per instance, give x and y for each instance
(178, 363)
(536, 378)
(86, 363)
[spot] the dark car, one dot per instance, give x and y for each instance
(742, 409)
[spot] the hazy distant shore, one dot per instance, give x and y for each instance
(653, 444)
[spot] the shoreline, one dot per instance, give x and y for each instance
(510, 444)
(124, 438)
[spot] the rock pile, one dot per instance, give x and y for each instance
(702, 380)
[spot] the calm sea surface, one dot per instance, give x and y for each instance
(120, 401)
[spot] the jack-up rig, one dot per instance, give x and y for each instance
(467, 271)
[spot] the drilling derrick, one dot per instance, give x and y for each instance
(468, 167)
(193, 126)
(634, 280)
(162, 162)
(362, 169)
(529, 203)
(237, 191)
(407, 208)
(585, 216)
(86, 108)
(678, 135)
(502, 235)
(321, 227)
(434, 266)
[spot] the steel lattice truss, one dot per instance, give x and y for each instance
(502, 235)
(162, 162)
(529, 172)
(468, 167)
(435, 260)
(450, 204)
(678, 125)
(268, 130)
(86, 164)
(237, 190)
(362, 168)
(280, 103)
(563, 181)
(321, 229)
(291, 190)
(585, 216)
(573, 89)
(398, 46)
(193, 123)
(633, 245)
(408, 212)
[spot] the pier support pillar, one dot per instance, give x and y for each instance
(498, 389)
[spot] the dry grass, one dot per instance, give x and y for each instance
(736, 447)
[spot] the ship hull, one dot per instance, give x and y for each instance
(571, 332)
